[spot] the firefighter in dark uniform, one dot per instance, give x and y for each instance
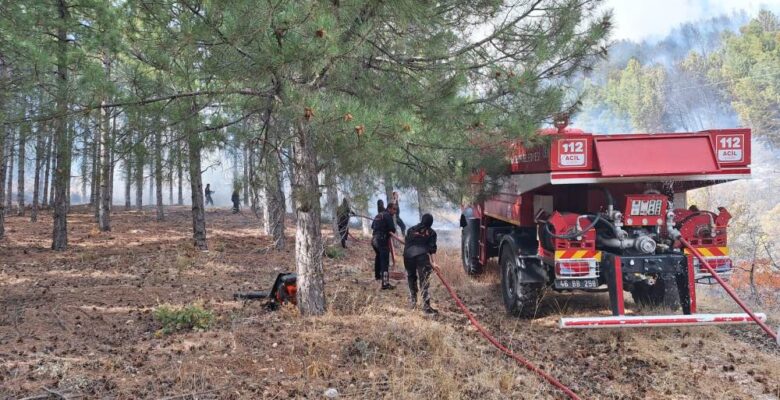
(420, 245)
(208, 193)
(236, 199)
(383, 226)
(343, 212)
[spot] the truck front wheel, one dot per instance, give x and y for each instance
(469, 250)
(520, 299)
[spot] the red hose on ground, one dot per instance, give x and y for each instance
(527, 364)
(490, 338)
(729, 290)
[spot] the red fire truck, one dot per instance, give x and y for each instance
(608, 212)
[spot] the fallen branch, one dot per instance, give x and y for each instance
(191, 394)
(56, 393)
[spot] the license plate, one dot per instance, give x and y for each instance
(576, 283)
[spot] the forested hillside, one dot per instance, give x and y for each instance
(717, 73)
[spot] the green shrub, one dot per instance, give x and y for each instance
(334, 252)
(175, 319)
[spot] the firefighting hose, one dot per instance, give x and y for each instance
(729, 290)
(490, 338)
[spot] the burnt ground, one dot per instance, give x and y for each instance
(80, 324)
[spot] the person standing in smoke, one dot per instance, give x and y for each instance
(383, 227)
(342, 214)
(236, 199)
(418, 250)
(208, 193)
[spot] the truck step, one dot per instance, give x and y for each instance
(657, 320)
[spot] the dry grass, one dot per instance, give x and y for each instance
(80, 322)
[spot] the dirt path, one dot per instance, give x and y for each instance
(80, 323)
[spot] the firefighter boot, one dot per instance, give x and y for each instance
(411, 279)
(386, 281)
(412, 297)
(425, 284)
(427, 309)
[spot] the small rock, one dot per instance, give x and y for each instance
(331, 393)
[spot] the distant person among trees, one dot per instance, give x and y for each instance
(208, 192)
(419, 248)
(383, 226)
(236, 199)
(343, 212)
(396, 198)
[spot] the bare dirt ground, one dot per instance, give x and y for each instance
(79, 324)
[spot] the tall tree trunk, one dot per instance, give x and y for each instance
(95, 156)
(332, 199)
(365, 223)
(158, 173)
(388, 181)
(152, 174)
(62, 170)
(234, 169)
(362, 202)
(252, 185)
(4, 74)
(139, 180)
(265, 207)
(104, 214)
(128, 181)
(9, 191)
(53, 171)
(3, 131)
(98, 160)
(256, 195)
(47, 171)
(196, 186)
(194, 144)
(40, 144)
(113, 162)
(423, 205)
(246, 175)
(180, 176)
(308, 236)
(86, 176)
(272, 199)
(170, 177)
(275, 210)
(24, 133)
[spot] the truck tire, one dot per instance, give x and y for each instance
(662, 294)
(469, 250)
(520, 299)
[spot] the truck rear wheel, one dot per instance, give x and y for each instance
(469, 250)
(520, 299)
(663, 293)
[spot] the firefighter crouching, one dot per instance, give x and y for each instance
(418, 250)
(382, 228)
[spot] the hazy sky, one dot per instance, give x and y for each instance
(646, 19)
